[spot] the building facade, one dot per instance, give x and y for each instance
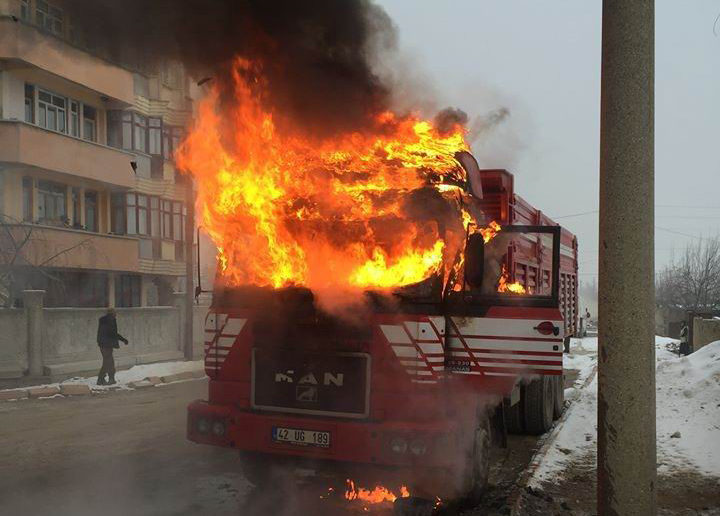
(93, 208)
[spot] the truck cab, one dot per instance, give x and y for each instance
(417, 383)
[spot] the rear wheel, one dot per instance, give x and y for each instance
(477, 468)
(559, 398)
(514, 418)
(257, 469)
(539, 405)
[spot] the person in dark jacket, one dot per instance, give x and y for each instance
(108, 339)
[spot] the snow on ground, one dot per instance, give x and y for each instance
(688, 407)
(688, 402)
(135, 374)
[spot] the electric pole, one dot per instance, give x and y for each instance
(626, 380)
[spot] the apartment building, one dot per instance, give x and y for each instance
(89, 194)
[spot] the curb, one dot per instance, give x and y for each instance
(545, 443)
(83, 389)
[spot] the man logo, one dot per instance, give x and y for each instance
(336, 379)
(306, 393)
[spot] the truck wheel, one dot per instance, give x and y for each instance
(477, 470)
(539, 405)
(255, 469)
(514, 417)
(559, 398)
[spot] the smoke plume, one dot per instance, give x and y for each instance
(314, 55)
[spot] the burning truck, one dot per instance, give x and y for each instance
(383, 306)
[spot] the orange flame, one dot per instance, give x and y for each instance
(286, 209)
(504, 286)
(378, 495)
(490, 231)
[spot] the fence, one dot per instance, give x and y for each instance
(56, 342)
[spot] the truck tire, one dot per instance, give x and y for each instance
(257, 470)
(477, 469)
(559, 398)
(539, 396)
(514, 417)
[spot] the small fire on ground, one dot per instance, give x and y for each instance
(379, 494)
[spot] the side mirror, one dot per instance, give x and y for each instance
(474, 260)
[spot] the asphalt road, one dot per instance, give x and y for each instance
(125, 453)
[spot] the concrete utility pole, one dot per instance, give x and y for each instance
(626, 391)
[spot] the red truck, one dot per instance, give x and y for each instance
(421, 388)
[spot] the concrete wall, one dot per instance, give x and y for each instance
(13, 338)
(705, 331)
(667, 321)
(69, 344)
(69, 335)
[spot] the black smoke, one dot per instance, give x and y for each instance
(314, 54)
(449, 118)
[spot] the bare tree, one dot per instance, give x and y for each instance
(19, 245)
(693, 281)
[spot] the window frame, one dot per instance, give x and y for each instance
(92, 201)
(92, 121)
(28, 187)
(58, 197)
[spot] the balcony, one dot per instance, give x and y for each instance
(30, 145)
(24, 43)
(70, 248)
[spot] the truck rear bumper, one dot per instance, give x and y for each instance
(430, 444)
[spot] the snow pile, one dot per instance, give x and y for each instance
(140, 372)
(135, 374)
(688, 414)
(688, 402)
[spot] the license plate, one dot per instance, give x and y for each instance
(301, 437)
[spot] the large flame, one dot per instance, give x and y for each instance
(285, 209)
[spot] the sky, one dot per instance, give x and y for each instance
(541, 60)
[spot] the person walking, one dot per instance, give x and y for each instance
(684, 344)
(108, 339)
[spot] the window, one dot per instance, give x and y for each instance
(27, 193)
(131, 131)
(117, 210)
(172, 136)
(77, 208)
(155, 217)
(167, 220)
(89, 123)
(25, 10)
(52, 111)
(51, 202)
(91, 211)
(140, 133)
(49, 17)
(155, 136)
(127, 290)
(142, 214)
(177, 221)
(75, 118)
(29, 103)
(131, 215)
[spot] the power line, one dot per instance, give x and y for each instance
(678, 233)
(657, 206)
(575, 215)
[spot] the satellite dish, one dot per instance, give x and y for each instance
(470, 164)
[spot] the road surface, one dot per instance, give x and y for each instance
(124, 453)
